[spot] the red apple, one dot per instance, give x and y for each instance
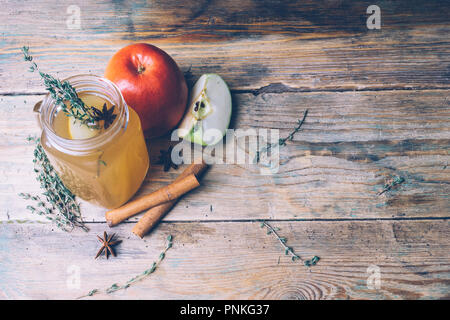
(152, 84)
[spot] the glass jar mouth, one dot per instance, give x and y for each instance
(96, 85)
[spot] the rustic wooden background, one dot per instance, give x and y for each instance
(378, 105)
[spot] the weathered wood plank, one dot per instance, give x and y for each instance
(233, 260)
(350, 144)
(303, 45)
(133, 20)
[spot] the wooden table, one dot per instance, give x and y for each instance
(378, 105)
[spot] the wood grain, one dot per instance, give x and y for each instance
(350, 145)
(233, 260)
(299, 45)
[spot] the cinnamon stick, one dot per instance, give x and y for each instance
(152, 216)
(163, 195)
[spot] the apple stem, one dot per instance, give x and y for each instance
(141, 69)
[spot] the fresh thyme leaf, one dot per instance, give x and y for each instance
(62, 91)
(312, 262)
(92, 292)
(288, 250)
(59, 205)
(115, 287)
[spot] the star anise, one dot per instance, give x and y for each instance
(107, 243)
(105, 114)
(166, 159)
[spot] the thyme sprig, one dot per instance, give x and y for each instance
(282, 141)
(62, 91)
(58, 204)
(115, 287)
(288, 250)
(391, 184)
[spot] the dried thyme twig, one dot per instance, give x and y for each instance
(288, 250)
(391, 183)
(282, 141)
(60, 206)
(115, 287)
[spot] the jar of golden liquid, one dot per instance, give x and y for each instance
(103, 166)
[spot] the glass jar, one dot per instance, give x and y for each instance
(106, 169)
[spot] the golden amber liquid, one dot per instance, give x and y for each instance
(110, 175)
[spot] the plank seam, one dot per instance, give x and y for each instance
(12, 221)
(293, 220)
(261, 90)
(276, 90)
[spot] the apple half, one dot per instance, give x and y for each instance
(209, 111)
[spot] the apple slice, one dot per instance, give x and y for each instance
(209, 112)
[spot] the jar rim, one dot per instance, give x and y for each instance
(82, 83)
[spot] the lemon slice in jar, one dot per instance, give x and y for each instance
(79, 130)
